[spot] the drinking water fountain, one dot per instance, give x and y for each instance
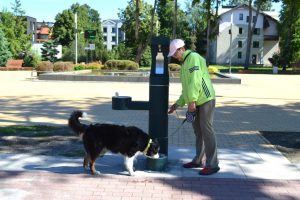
(158, 100)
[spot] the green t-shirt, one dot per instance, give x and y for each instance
(195, 80)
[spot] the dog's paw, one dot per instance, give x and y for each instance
(97, 173)
(131, 173)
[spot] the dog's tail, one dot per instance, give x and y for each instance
(75, 124)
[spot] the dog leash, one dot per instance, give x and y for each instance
(177, 129)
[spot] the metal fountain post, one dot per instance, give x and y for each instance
(158, 94)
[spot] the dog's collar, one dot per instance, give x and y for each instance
(148, 145)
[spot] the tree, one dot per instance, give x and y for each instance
(175, 19)
(88, 19)
(128, 16)
(289, 32)
(5, 54)
(196, 22)
(49, 51)
(165, 12)
(209, 17)
(14, 28)
(264, 5)
(17, 8)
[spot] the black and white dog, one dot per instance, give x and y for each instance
(99, 138)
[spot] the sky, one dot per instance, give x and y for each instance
(46, 10)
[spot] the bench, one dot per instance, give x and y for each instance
(14, 64)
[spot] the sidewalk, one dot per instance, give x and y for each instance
(250, 168)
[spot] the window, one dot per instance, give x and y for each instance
(113, 38)
(240, 44)
(247, 20)
(105, 30)
(241, 17)
(240, 30)
(255, 44)
(257, 31)
(239, 54)
(254, 18)
(113, 30)
(105, 38)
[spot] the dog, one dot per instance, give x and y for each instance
(100, 138)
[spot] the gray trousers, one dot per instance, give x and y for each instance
(205, 136)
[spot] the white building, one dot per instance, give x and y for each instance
(112, 33)
(264, 40)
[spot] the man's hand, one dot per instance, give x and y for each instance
(172, 108)
(192, 107)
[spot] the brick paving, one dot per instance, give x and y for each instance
(242, 111)
(44, 185)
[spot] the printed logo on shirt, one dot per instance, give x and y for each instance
(193, 69)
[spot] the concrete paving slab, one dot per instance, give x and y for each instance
(234, 163)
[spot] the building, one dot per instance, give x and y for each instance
(112, 33)
(31, 27)
(232, 48)
(43, 31)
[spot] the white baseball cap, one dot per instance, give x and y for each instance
(174, 45)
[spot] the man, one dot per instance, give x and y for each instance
(198, 93)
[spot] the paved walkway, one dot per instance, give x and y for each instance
(250, 167)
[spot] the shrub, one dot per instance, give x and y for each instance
(63, 66)
(121, 65)
(44, 66)
(94, 65)
(174, 67)
(212, 69)
(79, 67)
(31, 59)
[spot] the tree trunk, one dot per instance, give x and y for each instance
(137, 21)
(249, 37)
(174, 20)
(288, 39)
(142, 47)
(208, 7)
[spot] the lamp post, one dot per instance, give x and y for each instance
(76, 38)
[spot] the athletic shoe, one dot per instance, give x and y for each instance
(191, 165)
(209, 170)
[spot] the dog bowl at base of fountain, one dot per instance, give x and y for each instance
(157, 164)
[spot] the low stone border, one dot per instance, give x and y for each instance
(83, 76)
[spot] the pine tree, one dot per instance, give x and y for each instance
(5, 54)
(49, 51)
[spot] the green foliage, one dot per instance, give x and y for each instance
(146, 58)
(266, 5)
(138, 45)
(174, 67)
(17, 128)
(92, 66)
(14, 28)
(289, 32)
(63, 66)
(64, 30)
(49, 51)
(46, 66)
(165, 13)
(121, 65)
(31, 59)
(17, 8)
(5, 54)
